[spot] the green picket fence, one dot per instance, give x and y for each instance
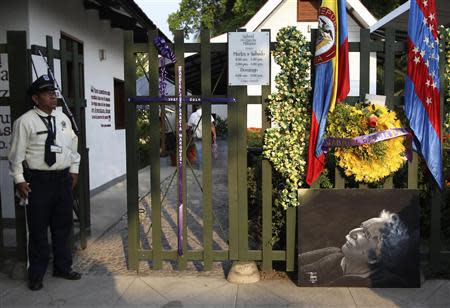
(238, 235)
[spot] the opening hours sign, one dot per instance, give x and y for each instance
(248, 58)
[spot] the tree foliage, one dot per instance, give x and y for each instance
(445, 45)
(219, 16)
(379, 8)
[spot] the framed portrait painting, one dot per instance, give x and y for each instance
(359, 238)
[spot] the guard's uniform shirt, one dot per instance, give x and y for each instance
(50, 200)
(28, 144)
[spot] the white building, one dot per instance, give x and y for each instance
(276, 14)
(97, 26)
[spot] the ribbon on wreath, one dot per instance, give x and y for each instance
(369, 139)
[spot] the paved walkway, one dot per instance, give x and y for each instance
(186, 290)
(108, 252)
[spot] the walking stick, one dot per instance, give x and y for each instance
(69, 113)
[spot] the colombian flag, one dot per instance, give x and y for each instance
(332, 81)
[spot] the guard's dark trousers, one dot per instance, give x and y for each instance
(49, 205)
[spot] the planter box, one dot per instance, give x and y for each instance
(344, 240)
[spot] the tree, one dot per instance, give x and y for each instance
(219, 16)
(380, 8)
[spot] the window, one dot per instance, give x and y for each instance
(307, 10)
(119, 103)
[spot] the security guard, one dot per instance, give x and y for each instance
(43, 141)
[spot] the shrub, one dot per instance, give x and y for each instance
(285, 143)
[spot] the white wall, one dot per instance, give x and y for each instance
(13, 17)
(51, 17)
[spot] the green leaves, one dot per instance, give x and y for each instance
(445, 45)
(285, 143)
(219, 16)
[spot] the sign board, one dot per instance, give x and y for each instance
(248, 58)
(6, 182)
(101, 106)
(4, 76)
(5, 131)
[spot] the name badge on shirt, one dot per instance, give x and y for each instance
(55, 149)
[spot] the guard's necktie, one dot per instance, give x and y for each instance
(49, 156)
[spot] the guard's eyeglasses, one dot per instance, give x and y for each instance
(49, 93)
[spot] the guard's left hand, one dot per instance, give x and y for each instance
(74, 179)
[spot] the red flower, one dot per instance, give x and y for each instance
(373, 119)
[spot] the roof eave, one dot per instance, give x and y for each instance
(126, 15)
(360, 13)
(391, 16)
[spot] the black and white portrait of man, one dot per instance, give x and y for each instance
(376, 252)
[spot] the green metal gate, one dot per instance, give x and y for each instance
(238, 225)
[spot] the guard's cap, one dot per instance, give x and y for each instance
(43, 83)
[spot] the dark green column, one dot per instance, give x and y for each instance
(179, 52)
(18, 84)
(206, 149)
(132, 168)
(155, 176)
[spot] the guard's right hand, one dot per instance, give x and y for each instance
(24, 189)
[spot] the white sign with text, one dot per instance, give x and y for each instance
(6, 182)
(101, 106)
(5, 131)
(4, 76)
(248, 58)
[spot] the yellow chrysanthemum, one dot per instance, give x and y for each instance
(367, 163)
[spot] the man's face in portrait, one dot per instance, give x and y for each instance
(362, 245)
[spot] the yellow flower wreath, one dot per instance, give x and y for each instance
(368, 163)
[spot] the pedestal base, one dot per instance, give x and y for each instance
(244, 272)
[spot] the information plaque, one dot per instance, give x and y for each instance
(249, 58)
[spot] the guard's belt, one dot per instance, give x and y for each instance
(49, 173)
